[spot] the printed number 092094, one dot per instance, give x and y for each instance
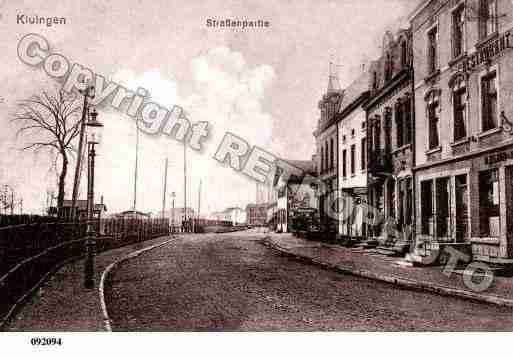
(46, 341)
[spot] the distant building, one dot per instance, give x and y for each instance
(81, 208)
(131, 214)
(235, 215)
(296, 208)
(178, 215)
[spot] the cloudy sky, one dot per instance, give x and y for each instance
(262, 84)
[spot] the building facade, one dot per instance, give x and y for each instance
(390, 120)
(352, 164)
(326, 139)
(464, 126)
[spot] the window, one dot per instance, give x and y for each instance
(322, 159)
(407, 121)
(426, 193)
(353, 132)
(327, 156)
(459, 99)
(434, 139)
(487, 18)
(389, 67)
(377, 133)
(353, 158)
(404, 54)
(363, 154)
(375, 80)
(332, 157)
(433, 50)
(458, 25)
(344, 168)
(399, 122)
(388, 129)
(432, 113)
(489, 102)
(489, 209)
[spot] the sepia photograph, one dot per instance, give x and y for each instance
(247, 173)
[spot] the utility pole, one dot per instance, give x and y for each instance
(185, 181)
(199, 200)
(12, 202)
(88, 92)
(136, 165)
(165, 189)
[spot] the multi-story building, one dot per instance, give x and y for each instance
(464, 135)
(327, 153)
(390, 138)
(352, 154)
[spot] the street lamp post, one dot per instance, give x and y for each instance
(94, 129)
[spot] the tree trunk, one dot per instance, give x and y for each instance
(62, 184)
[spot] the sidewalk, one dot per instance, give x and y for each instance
(383, 268)
(63, 304)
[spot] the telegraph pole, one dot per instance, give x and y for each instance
(199, 200)
(165, 189)
(136, 165)
(185, 181)
(87, 92)
(12, 202)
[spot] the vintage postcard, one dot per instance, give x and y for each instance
(332, 166)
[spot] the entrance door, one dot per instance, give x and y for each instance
(509, 209)
(462, 218)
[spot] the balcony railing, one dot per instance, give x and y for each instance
(380, 163)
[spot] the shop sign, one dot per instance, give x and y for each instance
(486, 53)
(499, 157)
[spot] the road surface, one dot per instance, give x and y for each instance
(234, 283)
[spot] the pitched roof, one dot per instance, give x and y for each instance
(355, 90)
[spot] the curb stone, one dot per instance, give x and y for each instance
(401, 282)
(101, 288)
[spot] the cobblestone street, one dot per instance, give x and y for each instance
(234, 283)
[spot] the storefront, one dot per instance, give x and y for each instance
(469, 200)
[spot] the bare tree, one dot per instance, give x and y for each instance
(50, 122)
